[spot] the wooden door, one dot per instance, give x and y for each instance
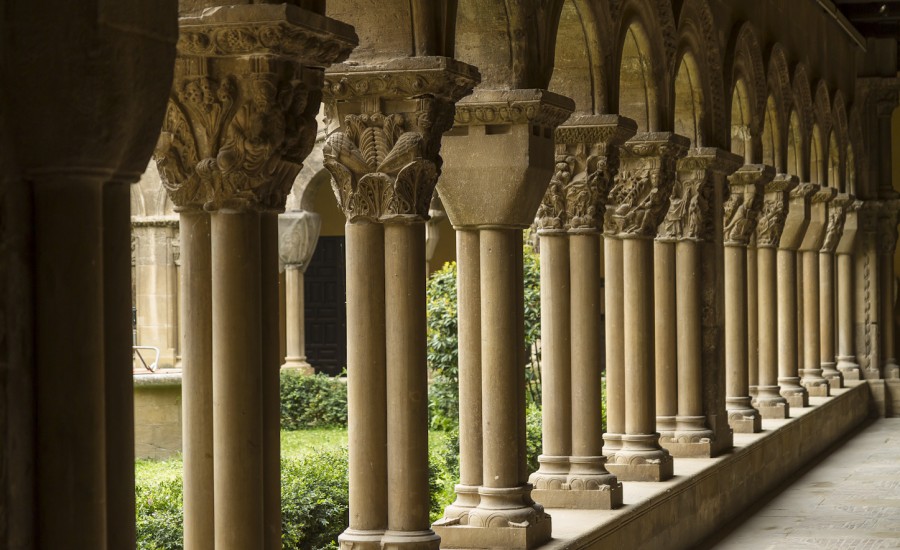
(325, 307)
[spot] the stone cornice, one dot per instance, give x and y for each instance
(611, 130)
(440, 77)
(273, 29)
(774, 211)
(538, 107)
(154, 221)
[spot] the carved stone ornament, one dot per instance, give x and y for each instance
(887, 229)
(743, 205)
(587, 160)
(543, 109)
(384, 165)
(274, 29)
(837, 214)
(640, 196)
(774, 211)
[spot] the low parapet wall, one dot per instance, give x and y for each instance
(708, 493)
(157, 414)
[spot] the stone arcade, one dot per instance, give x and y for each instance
(710, 183)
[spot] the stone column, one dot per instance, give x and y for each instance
(298, 233)
(499, 160)
(868, 330)
(741, 213)
(569, 221)
(846, 348)
(887, 244)
(769, 401)
(385, 128)
(811, 373)
(752, 319)
(637, 204)
(240, 120)
(689, 226)
(791, 237)
(837, 212)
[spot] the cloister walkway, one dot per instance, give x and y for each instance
(851, 499)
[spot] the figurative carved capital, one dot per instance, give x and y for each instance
(744, 204)
(834, 227)
(640, 195)
(774, 212)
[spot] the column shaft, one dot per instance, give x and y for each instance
(74, 507)
(295, 330)
(119, 381)
(769, 401)
(366, 384)
(846, 357)
(811, 377)
(690, 361)
(407, 385)
(788, 377)
(270, 379)
(742, 417)
(826, 316)
(237, 380)
(614, 301)
(665, 334)
(196, 379)
(887, 280)
(752, 321)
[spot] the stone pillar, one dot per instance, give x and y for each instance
(741, 213)
(240, 120)
(791, 237)
(752, 319)
(837, 212)
(298, 232)
(385, 128)
(769, 401)
(868, 330)
(811, 373)
(572, 472)
(637, 203)
(887, 235)
(846, 348)
(689, 227)
(499, 160)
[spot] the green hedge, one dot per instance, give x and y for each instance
(318, 401)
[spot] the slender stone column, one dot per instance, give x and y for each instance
(493, 183)
(468, 290)
(769, 401)
(637, 204)
(382, 152)
(837, 212)
(811, 373)
(298, 233)
(741, 213)
(569, 220)
(887, 245)
(752, 319)
(700, 428)
(846, 346)
(791, 237)
(666, 336)
(196, 379)
(614, 300)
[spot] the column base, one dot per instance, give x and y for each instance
(641, 459)
(848, 367)
(665, 426)
(298, 365)
(832, 375)
(795, 394)
(691, 439)
(589, 486)
(754, 391)
(551, 474)
(531, 535)
(355, 539)
(891, 369)
(612, 443)
(742, 417)
(466, 499)
(411, 540)
(771, 405)
(817, 387)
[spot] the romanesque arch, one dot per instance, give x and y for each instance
(747, 91)
(778, 108)
(583, 55)
(820, 158)
(842, 137)
(803, 108)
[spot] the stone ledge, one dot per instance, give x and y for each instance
(706, 493)
(159, 378)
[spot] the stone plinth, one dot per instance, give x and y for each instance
(157, 415)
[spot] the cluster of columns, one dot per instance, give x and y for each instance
(384, 131)
(238, 124)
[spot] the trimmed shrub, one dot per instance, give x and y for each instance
(314, 499)
(160, 515)
(312, 401)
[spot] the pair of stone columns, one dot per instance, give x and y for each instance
(569, 221)
(636, 206)
(499, 160)
(240, 120)
(298, 232)
(384, 132)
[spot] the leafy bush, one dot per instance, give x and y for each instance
(312, 401)
(160, 515)
(315, 499)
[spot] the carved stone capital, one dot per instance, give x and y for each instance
(774, 210)
(887, 228)
(744, 203)
(587, 159)
(298, 233)
(241, 117)
(847, 241)
(539, 108)
(692, 200)
(797, 217)
(640, 196)
(818, 218)
(385, 127)
(834, 227)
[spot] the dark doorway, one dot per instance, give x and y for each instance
(325, 307)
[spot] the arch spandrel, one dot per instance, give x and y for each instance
(857, 183)
(822, 108)
(744, 65)
(834, 174)
(841, 131)
(816, 169)
(778, 82)
(772, 136)
(796, 164)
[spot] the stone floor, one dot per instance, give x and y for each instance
(851, 499)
